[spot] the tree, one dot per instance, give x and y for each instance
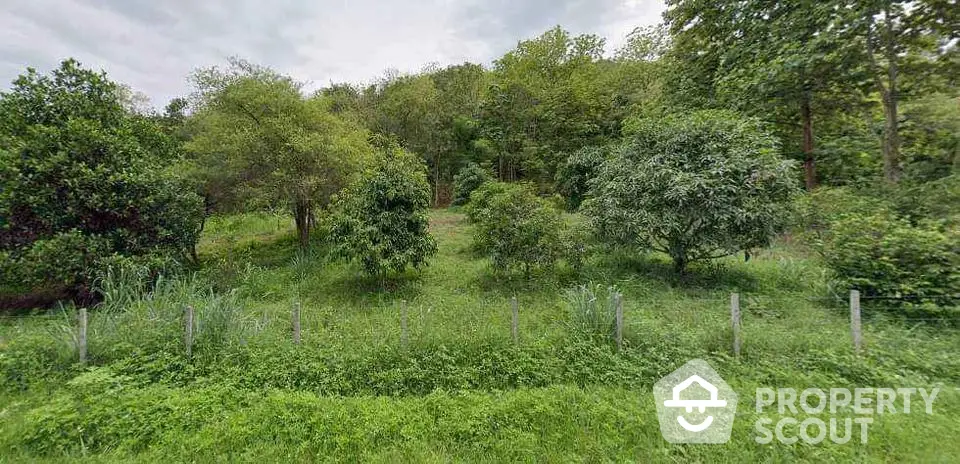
(778, 60)
(258, 141)
(514, 227)
(84, 181)
(469, 179)
(381, 220)
(694, 187)
(576, 171)
(546, 97)
(898, 36)
(430, 113)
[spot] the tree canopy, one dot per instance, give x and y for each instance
(83, 181)
(693, 187)
(258, 139)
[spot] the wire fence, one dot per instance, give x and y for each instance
(862, 317)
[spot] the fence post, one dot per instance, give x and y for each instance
(735, 321)
(82, 337)
(515, 321)
(619, 302)
(855, 320)
(296, 323)
(403, 324)
(188, 330)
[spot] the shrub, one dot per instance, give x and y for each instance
(515, 227)
(470, 178)
(885, 256)
(694, 187)
(81, 180)
(577, 244)
(481, 197)
(934, 200)
(381, 219)
(574, 173)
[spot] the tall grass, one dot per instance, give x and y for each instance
(592, 309)
(140, 314)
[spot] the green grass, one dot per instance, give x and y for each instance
(461, 390)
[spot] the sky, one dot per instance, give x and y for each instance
(153, 45)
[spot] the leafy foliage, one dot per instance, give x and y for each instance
(381, 219)
(514, 227)
(81, 179)
(470, 178)
(884, 256)
(576, 171)
(694, 187)
(259, 142)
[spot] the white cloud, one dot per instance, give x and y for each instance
(153, 45)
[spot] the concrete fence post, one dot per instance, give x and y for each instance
(188, 330)
(735, 322)
(855, 320)
(82, 337)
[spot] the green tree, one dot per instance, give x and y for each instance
(778, 60)
(430, 113)
(470, 178)
(381, 219)
(898, 37)
(83, 181)
(576, 171)
(694, 187)
(514, 227)
(258, 141)
(546, 97)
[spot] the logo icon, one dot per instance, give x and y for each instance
(695, 405)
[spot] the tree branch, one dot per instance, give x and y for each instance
(248, 113)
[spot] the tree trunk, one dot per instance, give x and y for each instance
(891, 137)
(301, 216)
(809, 163)
(679, 257)
(891, 132)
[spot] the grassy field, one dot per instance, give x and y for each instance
(461, 390)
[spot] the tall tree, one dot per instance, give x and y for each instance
(898, 36)
(257, 138)
(771, 59)
(546, 98)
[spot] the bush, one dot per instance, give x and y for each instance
(381, 219)
(934, 200)
(82, 180)
(574, 173)
(470, 178)
(887, 257)
(577, 244)
(481, 197)
(694, 187)
(515, 227)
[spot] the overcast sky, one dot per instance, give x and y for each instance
(152, 45)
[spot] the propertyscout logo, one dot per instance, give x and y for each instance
(695, 405)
